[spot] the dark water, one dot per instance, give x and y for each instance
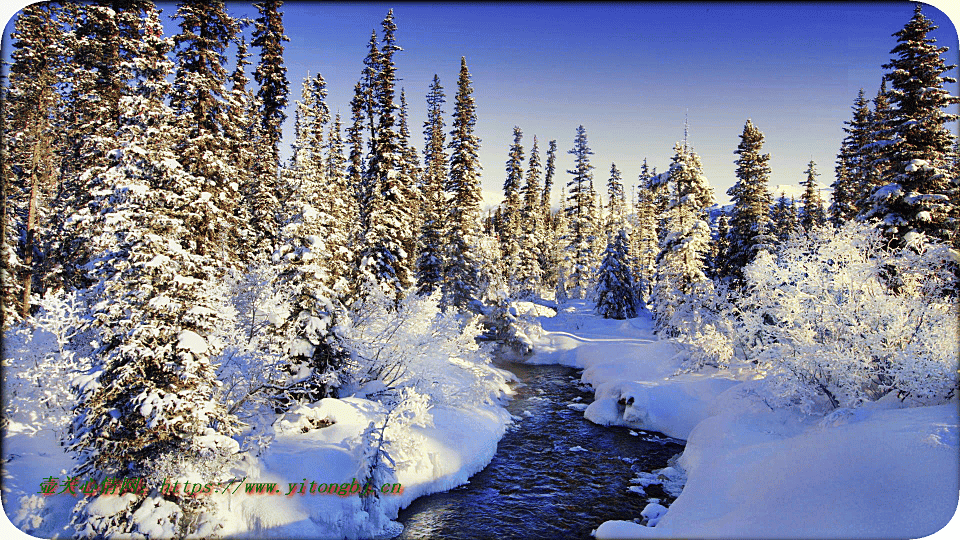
(536, 487)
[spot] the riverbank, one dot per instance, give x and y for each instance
(880, 471)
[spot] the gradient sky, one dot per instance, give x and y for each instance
(628, 72)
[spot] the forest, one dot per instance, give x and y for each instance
(179, 301)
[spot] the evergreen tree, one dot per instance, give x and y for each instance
(510, 215)
(784, 218)
(811, 204)
(580, 214)
(852, 184)
(435, 163)
(682, 287)
(462, 265)
(918, 197)
(646, 233)
(410, 184)
(549, 171)
(239, 132)
(29, 173)
(750, 216)
(616, 204)
(315, 252)
(880, 138)
(720, 248)
(529, 273)
(206, 31)
(384, 260)
(616, 292)
(264, 201)
(148, 407)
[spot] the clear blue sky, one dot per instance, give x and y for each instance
(628, 72)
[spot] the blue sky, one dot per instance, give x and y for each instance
(628, 72)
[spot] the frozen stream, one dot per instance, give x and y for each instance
(537, 486)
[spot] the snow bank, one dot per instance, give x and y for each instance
(634, 374)
(458, 444)
(879, 472)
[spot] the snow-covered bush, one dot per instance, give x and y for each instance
(821, 319)
(42, 357)
(416, 344)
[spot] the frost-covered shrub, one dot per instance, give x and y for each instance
(416, 344)
(821, 319)
(42, 357)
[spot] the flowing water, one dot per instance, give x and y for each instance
(536, 486)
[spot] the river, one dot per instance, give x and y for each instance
(555, 474)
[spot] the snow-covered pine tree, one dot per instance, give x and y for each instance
(880, 138)
(264, 204)
(784, 218)
(147, 410)
(99, 43)
(918, 196)
(616, 292)
(529, 274)
(383, 260)
(811, 204)
(510, 214)
(410, 183)
(311, 253)
(720, 246)
(682, 287)
(206, 30)
(30, 104)
(648, 246)
(549, 170)
(578, 241)
(432, 244)
(239, 130)
(461, 262)
(342, 206)
(616, 204)
(750, 215)
(853, 164)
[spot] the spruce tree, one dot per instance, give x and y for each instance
(852, 184)
(877, 151)
(29, 167)
(646, 232)
(148, 408)
(918, 197)
(784, 218)
(462, 265)
(315, 252)
(529, 272)
(616, 296)
(239, 132)
(264, 201)
(811, 204)
(616, 203)
(549, 170)
(682, 286)
(750, 215)
(410, 183)
(435, 164)
(206, 31)
(383, 259)
(548, 245)
(580, 214)
(510, 215)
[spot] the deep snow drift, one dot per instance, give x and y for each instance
(880, 471)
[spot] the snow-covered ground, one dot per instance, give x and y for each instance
(880, 471)
(748, 470)
(433, 445)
